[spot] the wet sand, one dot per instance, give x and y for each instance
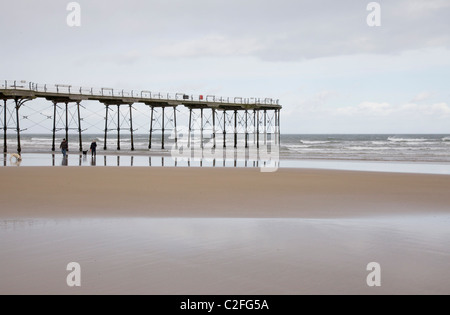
(222, 231)
(215, 193)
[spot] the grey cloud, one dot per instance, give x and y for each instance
(283, 30)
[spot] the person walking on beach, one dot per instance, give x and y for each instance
(94, 148)
(64, 147)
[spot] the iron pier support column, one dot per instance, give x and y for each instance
(175, 126)
(235, 129)
(5, 129)
(151, 128)
(279, 127)
(190, 128)
(106, 128)
(54, 127)
(224, 128)
(162, 125)
(201, 128)
(67, 121)
(214, 127)
(265, 126)
(118, 127)
(254, 126)
(257, 129)
(79, 127)
(19, 147)
(246, 129)
(276, 126)
(131, 127)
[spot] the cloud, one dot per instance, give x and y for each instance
(207, 46)
(373, 109)
(322, 97)
(423, 96)
(366, 109)
(439, 109)
(436, 110)
(368, 117)
(129, 57)
(421, 7)
(292, 30)
(283, 30)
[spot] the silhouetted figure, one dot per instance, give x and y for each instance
(94, 148)
(64, 147)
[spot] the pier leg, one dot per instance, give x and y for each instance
(265, 126)
(224, 128)
(151, 129)
(276, 126)
(214, 127)
(131, 128)
(67, 121)
(54, 126)
(257, 129)
(118, 127)
(162, 125)
(246, 129)
(254, 126)
(106, 128)
(19, 148)
(201, 128)
(79, 127)
(279, 127)
(190, 127)
(235, 129)
(5, 129)
(175, 127)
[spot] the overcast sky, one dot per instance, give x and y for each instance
(331, 71)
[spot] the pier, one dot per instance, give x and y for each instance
(218, 115)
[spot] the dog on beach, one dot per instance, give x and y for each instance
(18, 157)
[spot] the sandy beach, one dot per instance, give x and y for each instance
(216, 193)
(222, 231)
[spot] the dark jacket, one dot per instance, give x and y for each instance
(93, 146)
(64, 145)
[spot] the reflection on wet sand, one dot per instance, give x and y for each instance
(14, 159)
(230, 158)
(243, 256)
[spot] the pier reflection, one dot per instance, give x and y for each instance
(233, 161)
(249, 158)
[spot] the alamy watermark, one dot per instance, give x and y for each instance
(74, 17)
(374, 277)
(74, 277)
(374, 17)
(196, 145)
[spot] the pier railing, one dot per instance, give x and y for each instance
(65, 89)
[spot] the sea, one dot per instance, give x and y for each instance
(427, 153)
